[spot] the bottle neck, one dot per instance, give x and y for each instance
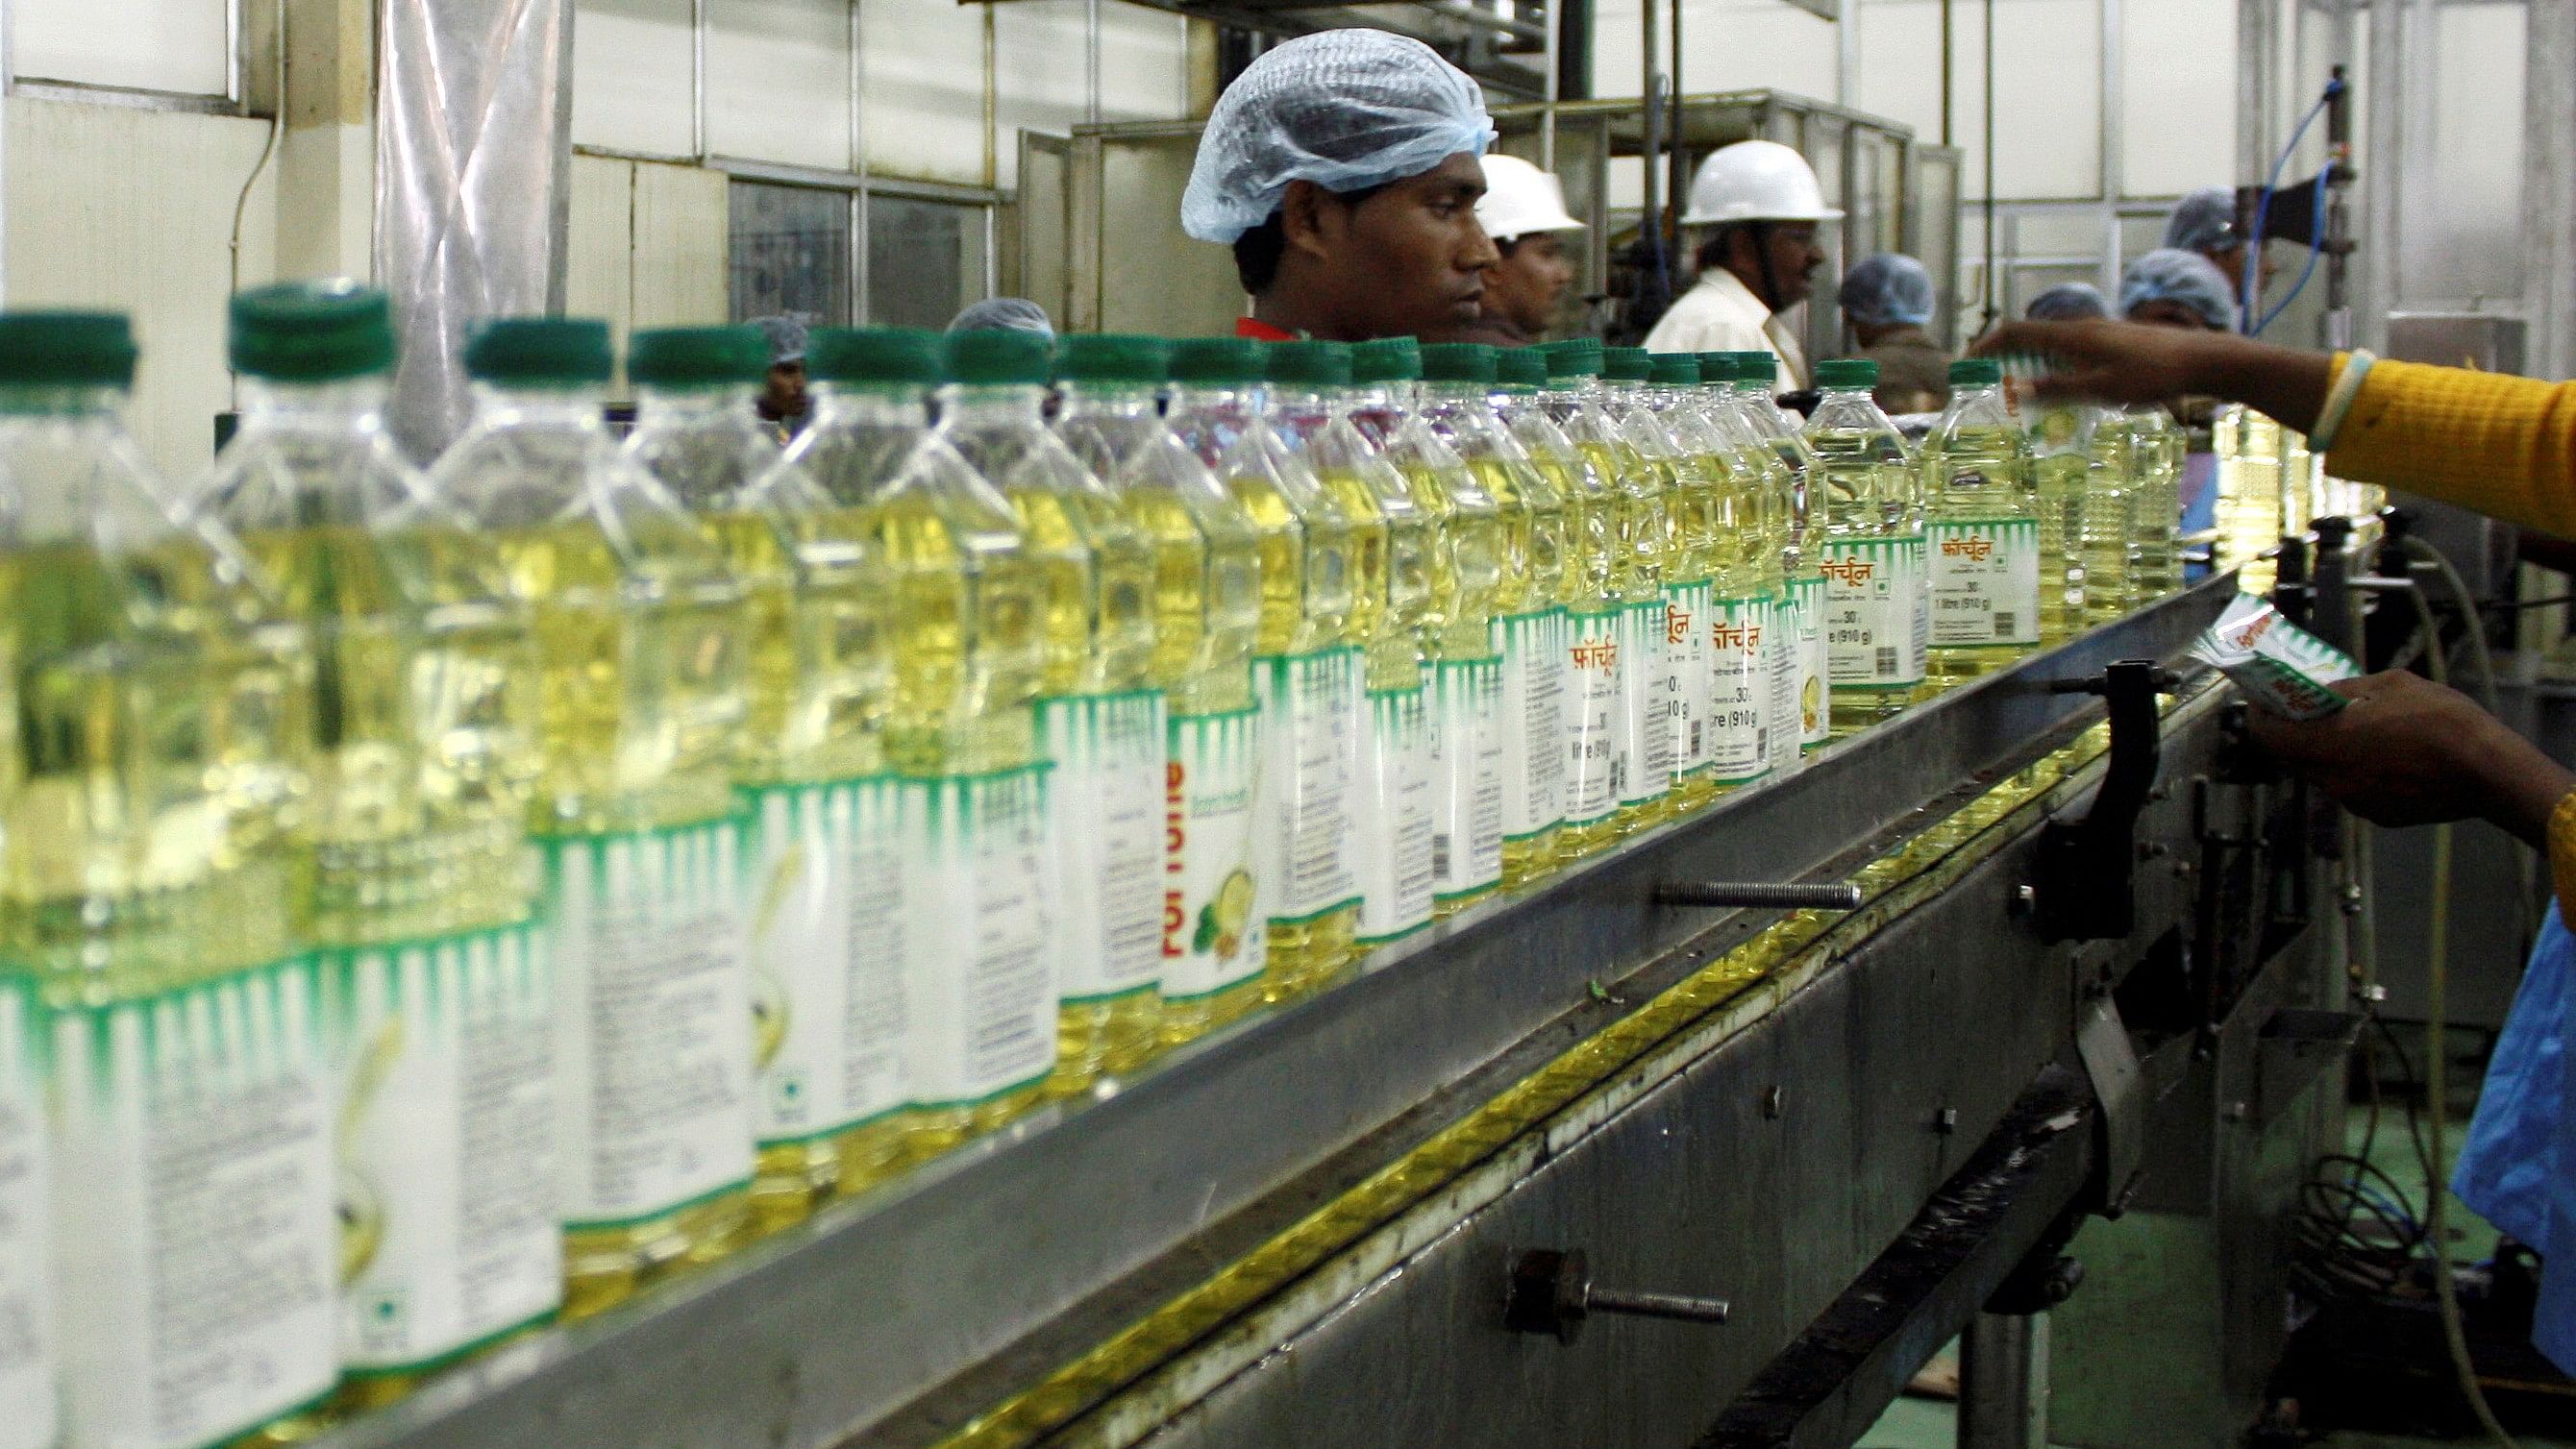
(1122, 400)
(575, 405)
(986, 405)
(692, 407)
(333, 404)
(83, 404)
(1212, 397)
(869, 405)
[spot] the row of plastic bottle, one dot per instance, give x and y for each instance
(436, 903)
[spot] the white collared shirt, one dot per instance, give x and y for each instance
(1721, 314)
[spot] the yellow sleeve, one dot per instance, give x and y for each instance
(2562, 850)
(2501, 445)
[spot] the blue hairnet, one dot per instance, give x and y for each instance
(1004, 314)
(786, 334)
(2170, 274)
(1888, 290)
(1344, 109)
(2068, 302)
(2204, 221)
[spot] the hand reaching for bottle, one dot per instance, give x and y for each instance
(2130, 362)
(2407, 751)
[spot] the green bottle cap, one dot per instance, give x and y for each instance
(1211, 361)
(1316, 364)
(1386, 359)
(1759, 367)
(1627, 364)
(903, 356)
(1976, 372)
(1675, 369)
(1717, 367)
(1110, 357)
(999, 357)
(1520, 367)
(312, 331)
(1846, 373)
(539, 351)
(674, 357)
(66, 349)
(1573, 357)
(1459, 362)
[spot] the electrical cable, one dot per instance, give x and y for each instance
(2252, 279)
(2315, 206)
(267, 151)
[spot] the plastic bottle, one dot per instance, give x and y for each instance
(1100, 717)
(1621, 548)
(1463, 664)
(421, 887)
(2155, 504)
(1801, 536)
(1530, 599)
(1211, 944)
(27, 1377)
(1314, 404)
(1306, 671)
(160, 698)
(1644, 474)
(1874, 562)
(2061, 462)
(2107, 516)
(1982, 530)
(826, 899)
(642, 654)
(979, 991)
(1695, 498)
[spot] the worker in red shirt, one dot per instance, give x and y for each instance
(1342, 167)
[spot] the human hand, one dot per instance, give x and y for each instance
(2103, 361)
(2407, 751)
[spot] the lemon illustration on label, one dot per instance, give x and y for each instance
(1222, 921)
(360, 1205)
(1811, 701)
(768, 990)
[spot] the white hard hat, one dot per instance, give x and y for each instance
(1520, 199)
(1756, 181)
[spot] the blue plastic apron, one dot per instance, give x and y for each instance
(2524, 1128)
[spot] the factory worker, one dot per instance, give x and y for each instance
(1523, 210)
(1887, 299)
(1004, 314)
(782, 401)
(1342, 167)
(2204, 221)
(1761, 205)
(2404, 750)
(2068, 302)
(2177, 289)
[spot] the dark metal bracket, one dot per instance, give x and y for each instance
(2087, 867)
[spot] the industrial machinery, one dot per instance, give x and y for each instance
(1097, 248)
(1713, 1139)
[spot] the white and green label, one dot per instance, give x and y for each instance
(1466, 749)
(828, 924)
(1650, 683)
(1215, 904)
(1984, 588)
(1105, 832)
(1533, 721)
(1596, 716)
(444, 1063)
(192, 1193)
(652, 1020)
(1815, 668)
(26, 1303)
(1310, 763)
(1391, 831)
(1691, 689)
(1872, 612)
(981, 987)
(1739, 644)
(1780, 664)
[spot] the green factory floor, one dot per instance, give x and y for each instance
(1932, 1424)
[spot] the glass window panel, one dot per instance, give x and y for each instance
(791, 252)
(925, 260)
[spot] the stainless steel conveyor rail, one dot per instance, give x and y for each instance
(904, 1316)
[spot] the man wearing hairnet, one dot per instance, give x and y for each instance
(2204, 221)
(1887, 299)
(1004, 314)
(2178, 289)
(1342, 168)
(2068, 302)
(782, 401)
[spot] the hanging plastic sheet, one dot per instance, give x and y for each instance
(473, 171)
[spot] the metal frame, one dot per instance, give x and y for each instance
(850, 1321)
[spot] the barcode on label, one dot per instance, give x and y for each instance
(1886, 667)
(1440, 857)
(2006, 625)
